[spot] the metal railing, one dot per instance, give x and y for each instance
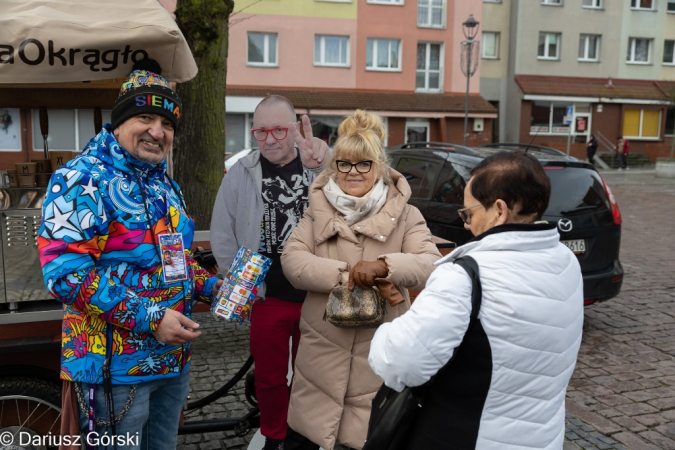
(609, 146)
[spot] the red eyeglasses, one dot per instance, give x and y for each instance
(278, 133)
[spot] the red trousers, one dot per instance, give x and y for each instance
(273, 323)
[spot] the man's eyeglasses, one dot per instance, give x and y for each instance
(467, 217)
(278, 133)
(361, 166)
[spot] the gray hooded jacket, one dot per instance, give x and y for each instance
(238, 210)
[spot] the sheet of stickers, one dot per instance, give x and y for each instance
(240, 286)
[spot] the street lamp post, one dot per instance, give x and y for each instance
(469, 62)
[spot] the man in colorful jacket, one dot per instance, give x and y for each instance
(109, 216)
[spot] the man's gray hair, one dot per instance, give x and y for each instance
(274, 99)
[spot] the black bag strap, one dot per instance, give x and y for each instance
(393, 413)
(471, 266)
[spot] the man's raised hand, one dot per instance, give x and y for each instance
(313, 151)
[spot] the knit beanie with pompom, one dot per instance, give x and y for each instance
(146, 91)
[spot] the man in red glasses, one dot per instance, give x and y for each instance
(260, 202)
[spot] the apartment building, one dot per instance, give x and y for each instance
(400, 58)
(606, 62)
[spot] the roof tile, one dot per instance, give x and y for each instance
(375, 100)
(595, 87)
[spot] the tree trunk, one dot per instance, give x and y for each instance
(199, 146)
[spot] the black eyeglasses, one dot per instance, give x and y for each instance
(467, 217)
(361, 166)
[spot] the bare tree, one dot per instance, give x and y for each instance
(199, 148)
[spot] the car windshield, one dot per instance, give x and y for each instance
(575, 190)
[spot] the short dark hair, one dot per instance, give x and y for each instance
(517, 178)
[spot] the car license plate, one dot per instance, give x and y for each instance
(578, 246)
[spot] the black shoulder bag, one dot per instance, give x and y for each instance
(393, 412)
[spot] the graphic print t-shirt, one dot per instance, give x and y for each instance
(285, 192)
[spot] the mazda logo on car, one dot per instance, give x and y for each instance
(565, 225)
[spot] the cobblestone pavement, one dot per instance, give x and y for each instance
(622, 394)
(624, 383)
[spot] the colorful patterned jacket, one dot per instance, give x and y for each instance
(100, 259)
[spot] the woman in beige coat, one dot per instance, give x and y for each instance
(364, 202)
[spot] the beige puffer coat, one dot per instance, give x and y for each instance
(333, 385)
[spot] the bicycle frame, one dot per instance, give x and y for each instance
(241, 425)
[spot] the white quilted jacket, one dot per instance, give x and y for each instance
(532, 314)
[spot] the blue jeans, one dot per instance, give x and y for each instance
(152, 420)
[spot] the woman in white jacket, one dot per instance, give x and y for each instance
(505, 386)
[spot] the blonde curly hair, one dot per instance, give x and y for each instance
(360, 138)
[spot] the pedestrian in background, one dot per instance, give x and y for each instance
(622, 148)
(260, 202)
(591, 148)
(505, 386)
(358, 205)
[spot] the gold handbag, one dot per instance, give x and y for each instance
(360, 308)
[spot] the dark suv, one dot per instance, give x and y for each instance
(582, 205)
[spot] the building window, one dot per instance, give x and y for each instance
(383, 54)
(331, 51)
(639, 51)
(597, 4)
(69, 129)
(235, 133)
(492, 1)
(669, 52)
(387, 2)
(326, 127)
(551, 2)
(262, 49)
(431, 13)
(642, 4)
(416, 130)
(429, 67)
(641, 123)
(671, 7)
(10, 129)
(670, 121)
(589, 47)
(548, 118)
(549, 45)
(490, 45)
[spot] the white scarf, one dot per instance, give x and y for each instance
(355, 209)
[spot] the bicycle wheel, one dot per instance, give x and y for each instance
(29, 411)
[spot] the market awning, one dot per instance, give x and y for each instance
(52, 41)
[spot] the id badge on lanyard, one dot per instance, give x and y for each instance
(173, 252)
(173, 257)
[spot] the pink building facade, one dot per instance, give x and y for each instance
(405, 53)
